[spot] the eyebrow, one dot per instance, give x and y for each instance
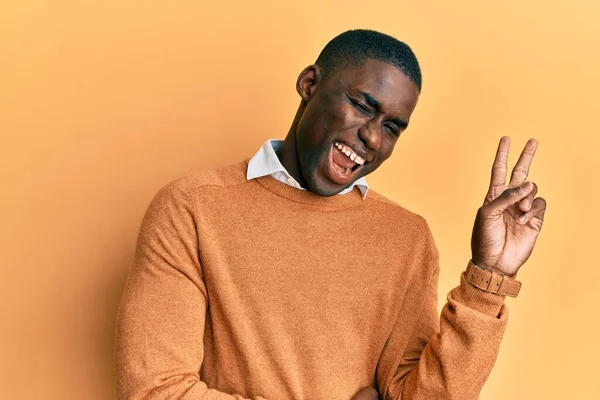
(377, 106)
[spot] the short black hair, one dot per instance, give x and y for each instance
(356, 46)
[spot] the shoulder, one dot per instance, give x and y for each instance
(223, 176)
(414, 234)
(398, 213)
(405, 232)
(183, 189)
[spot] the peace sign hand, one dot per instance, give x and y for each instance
(510, 220)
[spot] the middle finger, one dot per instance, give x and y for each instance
(521, 169)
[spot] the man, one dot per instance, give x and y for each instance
(285, 277)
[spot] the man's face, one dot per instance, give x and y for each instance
(360, 110)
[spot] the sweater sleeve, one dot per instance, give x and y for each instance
(160, 323)
(447, 357)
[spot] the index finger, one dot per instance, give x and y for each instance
(498, 181)
(521, 169)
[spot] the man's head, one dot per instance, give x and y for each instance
(352, 48)
(356, 99)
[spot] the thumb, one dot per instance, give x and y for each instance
(511, 196)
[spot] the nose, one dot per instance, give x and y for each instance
(371, 135)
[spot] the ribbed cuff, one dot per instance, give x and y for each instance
(477, 299)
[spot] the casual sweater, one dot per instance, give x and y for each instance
(252, 289)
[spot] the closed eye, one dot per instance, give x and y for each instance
(360, 106)
(392, 129)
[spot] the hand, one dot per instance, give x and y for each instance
(367, 393)
(510, 220)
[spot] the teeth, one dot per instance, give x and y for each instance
(350, 154)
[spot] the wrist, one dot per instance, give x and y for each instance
(496, 270)
(491, 281)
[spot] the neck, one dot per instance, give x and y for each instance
(288, 153)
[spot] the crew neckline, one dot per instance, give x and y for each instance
(352, 198)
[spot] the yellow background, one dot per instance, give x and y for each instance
(103, 102)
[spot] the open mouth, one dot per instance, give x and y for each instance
(343, 164)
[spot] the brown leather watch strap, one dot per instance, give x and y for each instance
(491, 282)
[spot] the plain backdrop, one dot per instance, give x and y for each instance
(104, 102)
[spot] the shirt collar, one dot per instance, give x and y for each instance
(265, 162)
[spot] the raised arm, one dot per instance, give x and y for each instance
(451, 357)
(160, 324)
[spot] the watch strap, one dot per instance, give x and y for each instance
(491, 282)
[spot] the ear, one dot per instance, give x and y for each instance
(307, 82)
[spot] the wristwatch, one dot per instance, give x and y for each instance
(491, 282)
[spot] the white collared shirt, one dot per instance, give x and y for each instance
(265, 162)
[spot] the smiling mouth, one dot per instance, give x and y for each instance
(352, 162)
(344, 164)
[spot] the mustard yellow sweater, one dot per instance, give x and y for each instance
(257, 290)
